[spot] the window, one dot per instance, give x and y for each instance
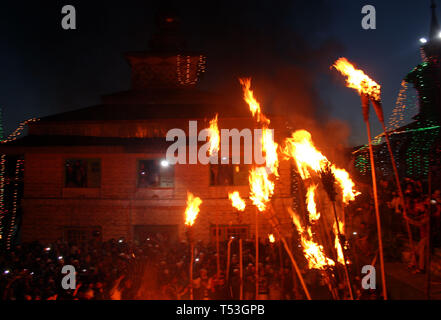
(226, 232)
(81, 235)
(229, 174)
(82, 173)
(155, 173)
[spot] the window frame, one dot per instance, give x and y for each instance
(138, 161)
(81, 159)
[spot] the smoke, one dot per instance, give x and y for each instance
(282, 46)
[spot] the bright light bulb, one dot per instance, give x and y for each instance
(423, 40)
(164, 163)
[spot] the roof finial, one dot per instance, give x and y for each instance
(434, 26)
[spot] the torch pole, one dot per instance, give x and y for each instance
(377, 210)
(274, 223)
(399, 188)
(191, 268)
(228, 259)
(429, 240)
(217, 251)
(241, 268)
(257, 253)
(345, 265)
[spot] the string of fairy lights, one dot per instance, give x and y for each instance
(406, 106)
(19, 131)
(421, 136)
(7, 235)
(184, 67)
(19, 167)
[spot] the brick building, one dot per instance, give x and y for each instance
(100, 171)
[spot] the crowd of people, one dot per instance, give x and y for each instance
(119, 270)
(397, 223)
(157, 269)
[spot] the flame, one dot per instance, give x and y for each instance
(269, 147)
(313, 252)
(346, 184)
(311, 206)
(236, 201)
(357, 79)
(192, 210)
(261, 187)
(248, 96)
(301, 148)
(271, 238)
(337, 244)
(315, 255)
(214, 137)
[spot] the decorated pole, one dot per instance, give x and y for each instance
(191, 213)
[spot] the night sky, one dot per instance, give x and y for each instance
(286, 46)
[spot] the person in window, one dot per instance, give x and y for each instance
(80, 172)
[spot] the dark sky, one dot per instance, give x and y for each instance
(286, 46)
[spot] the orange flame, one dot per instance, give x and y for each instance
(214, 137)
(357, 79)
(236, 201)
(248, 96)
(192, 210)
(271, 238)
(311, 206)
(269, 147)
(301, 148)
(313, 252)
(261, 187)
(337, 244)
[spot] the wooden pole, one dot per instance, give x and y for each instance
(191, 269)
(217, 252)
(377, 210)
(241, 268)
(228, 259)
(274, 223)
(279, 246)
(399, 188)
(257, 253)
(348, 279)
(429, 240)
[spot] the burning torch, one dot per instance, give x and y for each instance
(191, 213)
(369, 91)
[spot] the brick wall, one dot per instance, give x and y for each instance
(118, 204)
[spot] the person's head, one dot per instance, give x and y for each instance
(88, 294)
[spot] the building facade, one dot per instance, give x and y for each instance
(101, 172)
